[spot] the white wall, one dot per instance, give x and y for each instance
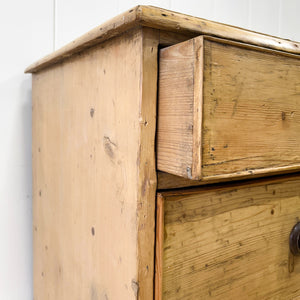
(29, 30)
(26, 32)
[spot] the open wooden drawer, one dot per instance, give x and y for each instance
(227, 110)
(229, 241)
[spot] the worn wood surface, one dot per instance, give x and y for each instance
(250, 111)
(163, 19)
(94, 175)
(175, 109)
(168, 38)
(230, 241)
(167, 181)
(146, 165)
(159, 247)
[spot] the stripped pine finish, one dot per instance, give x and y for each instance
(166, 20)
(177, 104)
(94, 184)
(166, 181)
(229, 242)
(227, 110)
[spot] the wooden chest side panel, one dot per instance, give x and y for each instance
(93, 183)
(251, 115)
(230, 242)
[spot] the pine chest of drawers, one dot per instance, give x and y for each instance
(166, 153)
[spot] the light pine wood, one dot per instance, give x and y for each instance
(146, 165)
(251, 110)
(230, 241)
(94, 178)
(151, 16)
(163, 19)
(175, 109)
(159, 247)
(168, 38)
(169, 181)
(94, 169)
(249, 98)
(166, 181)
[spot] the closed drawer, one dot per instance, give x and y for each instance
(229, 242)
(227, 110)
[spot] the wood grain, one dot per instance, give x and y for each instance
(175, 110)
(251, 110)
(163, 19)
(250, 114)
(231, 241)
(93, 182)
(146, 164)
(159, 247)
(168, 38)
(167, 181)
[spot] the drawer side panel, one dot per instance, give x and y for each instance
(179, 109)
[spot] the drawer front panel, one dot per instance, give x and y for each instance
(229, 242)
(227, 109)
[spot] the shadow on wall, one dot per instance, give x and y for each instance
(26, 122)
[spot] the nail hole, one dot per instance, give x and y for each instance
(92, 111)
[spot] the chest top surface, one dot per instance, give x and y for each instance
(162, 19)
